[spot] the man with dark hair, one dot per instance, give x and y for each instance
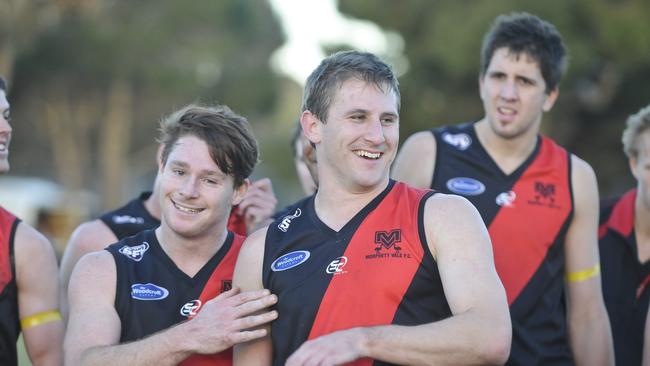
(164, 296)
(625, 247)
(360, 267)
(29, 298)
(539, 202)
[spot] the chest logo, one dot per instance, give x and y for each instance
(461, 141)
(290, 260)
(506, 199)
(126, 219)
(544, 195)
(191, 308)
(336, 266)
(148, 291)
(465, 186)
(387, 245)
(286, 221)
(135, 253)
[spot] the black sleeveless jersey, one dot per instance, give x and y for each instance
(625, 279)
(131, 218)
(153, 294)
(9, 317)
(376, 270)
(527, 214)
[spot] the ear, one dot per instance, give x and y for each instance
(633, 163)
(240, 192)
(550, 99)
(480, 86)
(311, 127)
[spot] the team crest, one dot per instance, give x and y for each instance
(387, 245)
(135, 253)
(544, 195)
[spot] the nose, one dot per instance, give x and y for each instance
(188, 188)
(375, 132)
(5, 127)
(509, 90)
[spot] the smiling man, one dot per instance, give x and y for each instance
(539, 202)
(359, 268)
(164, 296)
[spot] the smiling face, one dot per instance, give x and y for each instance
(357, 144)
(5, 132)
(513, 94)
(196, 196)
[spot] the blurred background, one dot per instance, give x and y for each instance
(90, 79)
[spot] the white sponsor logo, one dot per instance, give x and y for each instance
(286, 221)
(135, 253)
(461, 141)
(191, 308)
(336, 266)
(126, 219)
(506, 199)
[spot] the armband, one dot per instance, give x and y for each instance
(588, 273)
(40, 318)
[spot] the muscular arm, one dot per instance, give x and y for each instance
(479, 330)
(416, 160)
(88, 237)
(94, 327)
(248, 276)
(589, 330)
(38, 293)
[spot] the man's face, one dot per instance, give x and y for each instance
(358, 142)
(514, 94)
(196, 196)
(641, 169)
(5, 132)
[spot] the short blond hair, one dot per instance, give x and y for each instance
(636, 124)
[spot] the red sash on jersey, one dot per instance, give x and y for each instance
(6, 224)
(521, 235)
(219, 281)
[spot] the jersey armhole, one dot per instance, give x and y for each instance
(421, 232)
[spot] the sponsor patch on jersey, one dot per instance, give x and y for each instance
(126, 219)
(148, 291)
(506, 199)
(336, 266)
(465, 186)
(387, 245)
(191, 308)
(290, 260)
(286, 221)
(461, 141)
(135, 253)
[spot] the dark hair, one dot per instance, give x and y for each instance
(227, 134)
(295, 137)
(3, 84)
(528, 34)
(339, 67)
(636, 125)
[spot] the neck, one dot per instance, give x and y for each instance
(190, 254)
(641, 217)
(509, 154)
(336, 205)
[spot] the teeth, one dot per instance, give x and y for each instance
(187, 209)
(367, 154)
(507, 110)
(3, 146)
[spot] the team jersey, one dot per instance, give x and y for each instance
(153, 294)
(376, 270)
(625, 279)
(131, 218)
(527, 214)
(9, 318)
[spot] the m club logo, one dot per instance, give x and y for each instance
(387, 245)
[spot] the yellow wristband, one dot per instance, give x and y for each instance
(40, 318)
(584, 274)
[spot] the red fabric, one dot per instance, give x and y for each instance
(220, 281)
(6, 223)
(522, 235)
(237, 223)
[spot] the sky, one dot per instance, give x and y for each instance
(310, 24)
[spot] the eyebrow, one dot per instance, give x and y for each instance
(182, 164)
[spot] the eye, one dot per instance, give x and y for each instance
(388, 120)
(7, 114)
(178, 172)
(210, 181)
